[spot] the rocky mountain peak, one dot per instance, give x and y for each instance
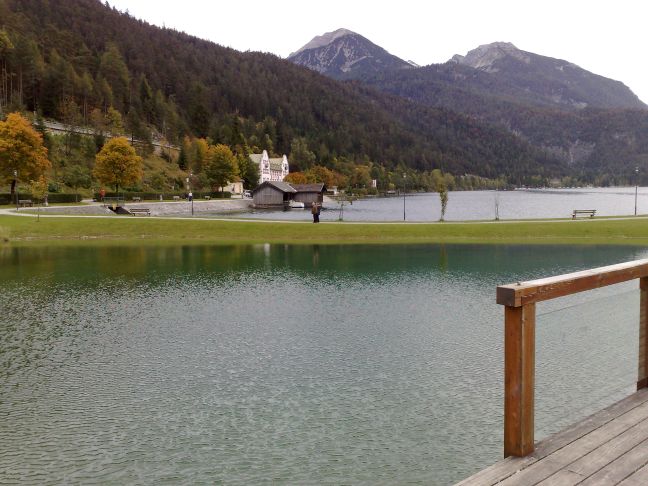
(344, 54)
(485, 56)
(323, 40)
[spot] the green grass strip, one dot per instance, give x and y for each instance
(16, 230)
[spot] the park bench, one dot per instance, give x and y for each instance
(176, 198)
(583, 212)
(25, 202)
(207, 198)
(137, 198)
(142, 211)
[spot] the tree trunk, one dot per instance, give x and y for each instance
(20, 86)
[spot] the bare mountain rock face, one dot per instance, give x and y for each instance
(343, 54)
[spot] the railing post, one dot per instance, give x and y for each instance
(642, 379)
(519, 377)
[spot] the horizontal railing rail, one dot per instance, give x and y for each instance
(520, 300)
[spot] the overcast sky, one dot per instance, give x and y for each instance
(606, 37)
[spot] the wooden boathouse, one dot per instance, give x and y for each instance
(607, 448)
(309, 193)
(272, 195)
(278, 194)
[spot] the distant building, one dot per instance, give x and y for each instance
(277, 194)
(270, 169)
(273, 194)
(309, 193)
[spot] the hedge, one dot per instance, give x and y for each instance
(167, 196)
(5, 198)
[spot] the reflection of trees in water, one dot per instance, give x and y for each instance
(443, 257)
(101, 265)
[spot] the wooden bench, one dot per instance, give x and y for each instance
(137, 198)
(583, 212)
(207, 198)
(25, 202)
(176, 198)
(142, 211)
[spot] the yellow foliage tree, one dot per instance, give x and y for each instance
(296, 178)
(117, 164)
(22, 154)
(200, 155)
(222, 166)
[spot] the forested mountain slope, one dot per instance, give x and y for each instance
(594, 142)
(82, 59)
(594, 125)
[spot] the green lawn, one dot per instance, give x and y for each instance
(141, 230)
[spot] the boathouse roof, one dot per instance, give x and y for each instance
(279, 185)
(319, 187)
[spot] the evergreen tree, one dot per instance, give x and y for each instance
(248, 171)
(300, 157)
(114, 71)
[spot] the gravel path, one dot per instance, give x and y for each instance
(180, 208)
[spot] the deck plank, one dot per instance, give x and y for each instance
(619, 415)
(639, 478)
(561, 478)
(620, 469)
(575, 450)
(612, 450)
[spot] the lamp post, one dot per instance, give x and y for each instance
(404, 190)
(16, 187)
(636, 187)
(190, 192)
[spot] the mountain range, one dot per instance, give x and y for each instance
(499, 69)
(495, 112)
(592, 124)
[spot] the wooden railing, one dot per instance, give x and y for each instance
(520, 300)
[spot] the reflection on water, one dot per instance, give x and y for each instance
(307, 364)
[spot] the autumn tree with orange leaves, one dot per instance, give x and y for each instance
(22, 153)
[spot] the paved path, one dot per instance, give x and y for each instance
(186, 209)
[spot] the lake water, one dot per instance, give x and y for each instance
(476, 205)
(288, 364)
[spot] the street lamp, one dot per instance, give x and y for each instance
(16, 187)
(404, 189)
(636, 187)
(190, 194)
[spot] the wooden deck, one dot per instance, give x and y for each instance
(609, 447)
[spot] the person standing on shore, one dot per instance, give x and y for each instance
(315, 211)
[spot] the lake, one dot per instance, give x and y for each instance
(288, 364)
(475, 205)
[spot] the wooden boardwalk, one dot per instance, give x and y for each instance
(607, 448)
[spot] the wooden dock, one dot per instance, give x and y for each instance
(609, 447)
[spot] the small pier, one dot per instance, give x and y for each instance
(607, 448)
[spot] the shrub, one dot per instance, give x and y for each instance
(5, 198)
(155, 196)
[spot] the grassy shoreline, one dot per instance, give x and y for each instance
(22, 231)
